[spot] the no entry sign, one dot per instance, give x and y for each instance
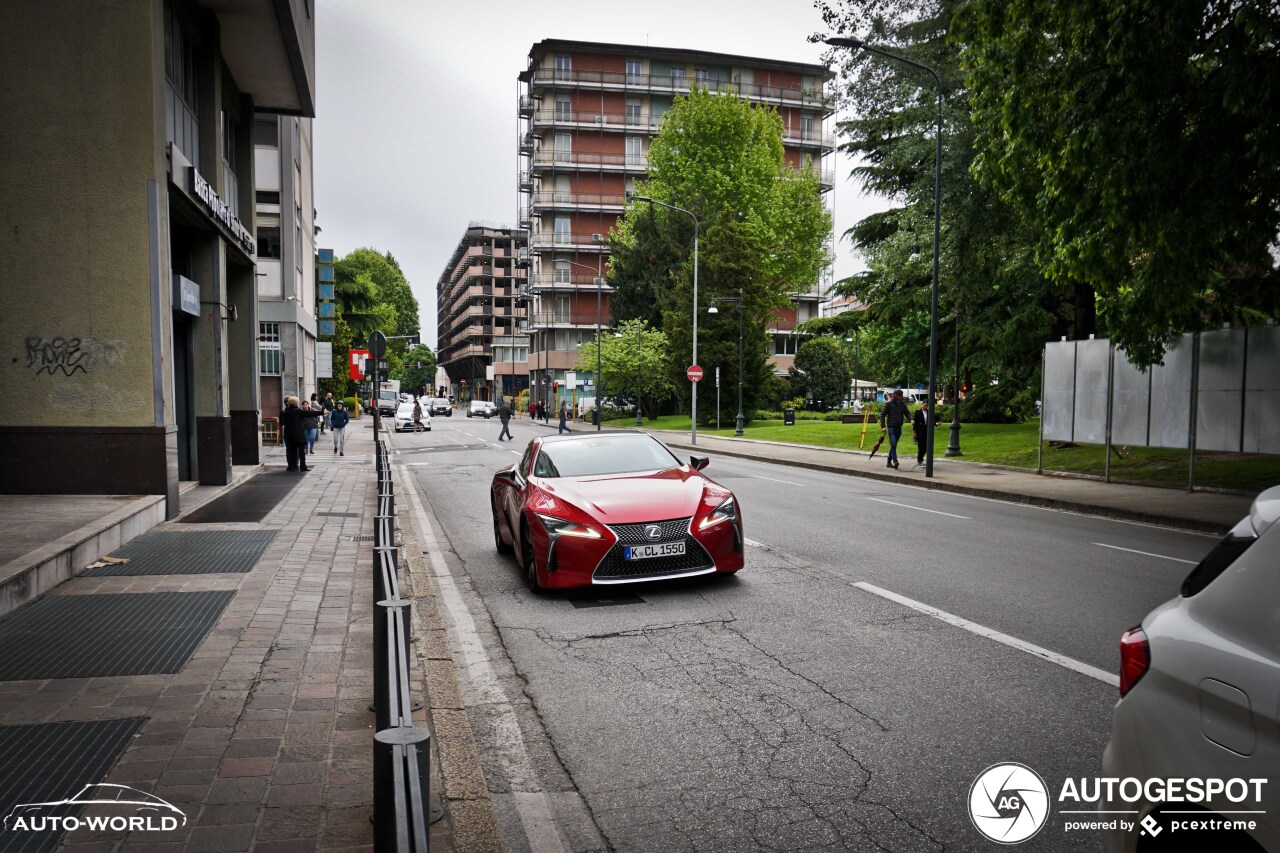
(694, 373)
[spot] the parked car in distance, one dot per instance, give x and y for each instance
(404, 418)
(591, 509)
(480, 409)
(1200, 691)
(441, 406)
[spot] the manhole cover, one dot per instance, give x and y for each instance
(85, 636)
(70, 757)
(195, 553)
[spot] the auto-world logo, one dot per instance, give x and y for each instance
(138, 812)
(1008, 803)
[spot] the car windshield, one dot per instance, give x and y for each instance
(405, 409)
(603, 455)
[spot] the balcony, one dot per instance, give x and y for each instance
(578, 201)
(544, 160)
(565, 281)
(796, 138)
(524, 182)
(526, 105)
(636, 122)
(525, 143)
(570, 319)
(567, 242)
(542, 78)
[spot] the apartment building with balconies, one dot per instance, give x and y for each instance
(482, 332)
(588, 113)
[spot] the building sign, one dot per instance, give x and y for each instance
(186, 295)
(325, 307)
(220, 211)
(358, 359)
(324, 360)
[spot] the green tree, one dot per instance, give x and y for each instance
(635, 363)
(989, 278)
(762, 233)
(1142, 142)
(419, 370)
(820, 372)
(396, 306)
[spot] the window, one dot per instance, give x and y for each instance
(635, 151)
(266, 132)
(564, 67)
(633, 111)
(269, 242)
(633, 72)
(230, 160)
(806, 128)
(562, 231)
(270, 357)
(560, 311)
(564, 109)
(268, 197)
(677, 77)
(784, 344)
(561, 274)
(180, 97)
(297, 238)
(563, 146)
(702, 76)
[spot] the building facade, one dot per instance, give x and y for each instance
(127, 249)
(285, 220)
(482, 324)
(588, 113)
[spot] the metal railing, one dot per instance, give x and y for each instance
(543, 158)
(545, 198)
(402, 807)
(680, 84)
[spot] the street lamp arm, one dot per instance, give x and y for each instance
(858, 44)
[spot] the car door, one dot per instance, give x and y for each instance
(513, 496)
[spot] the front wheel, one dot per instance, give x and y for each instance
(530, 563)
(502, 547)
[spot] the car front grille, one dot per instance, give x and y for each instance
(615, 566)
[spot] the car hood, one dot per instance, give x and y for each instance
(632, 498)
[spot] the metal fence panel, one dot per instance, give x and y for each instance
(1262, 391)
(1131, 405)
(1090, 418)
(1059, 390)
(1171, 395)
(1220, 390)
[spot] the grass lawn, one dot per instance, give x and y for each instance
(1015, 445)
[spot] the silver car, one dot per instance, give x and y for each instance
(1200, 688)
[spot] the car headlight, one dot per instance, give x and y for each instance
(727, 511)
(558, 527)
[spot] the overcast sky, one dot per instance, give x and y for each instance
(416, 124)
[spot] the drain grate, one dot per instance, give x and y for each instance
(615, 601)
(340, 514)
(250, 501)
(84, 636)
(358, 538)
(195, 553)
(69, 757)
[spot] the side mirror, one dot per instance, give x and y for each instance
(508, 475)
(699, 462)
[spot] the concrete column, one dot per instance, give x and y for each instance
(213, 420)
(242, 358)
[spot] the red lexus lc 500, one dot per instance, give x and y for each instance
(616, 507)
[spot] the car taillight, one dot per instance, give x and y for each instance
(1135, 658)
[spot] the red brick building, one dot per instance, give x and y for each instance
(588, 113)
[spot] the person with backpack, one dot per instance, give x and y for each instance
(894, 414)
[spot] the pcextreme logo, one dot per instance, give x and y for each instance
(147, 812)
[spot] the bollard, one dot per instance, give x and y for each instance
(393, 827)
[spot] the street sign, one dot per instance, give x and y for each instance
(694, 373)
(377, 345)
(358, 358)
(382, 365)
(324, 360)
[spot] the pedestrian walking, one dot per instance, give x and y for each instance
(417, 415)
(893, 416)
(312, 414)
(564, 417)
(294, 430)
(504, 415)
(921, 426)
(327, 402)
(338, 426)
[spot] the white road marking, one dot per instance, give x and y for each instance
(1145, 553)
(992, 634)
(772, 480)
(482, 687)
(753, 543)
(922, 509)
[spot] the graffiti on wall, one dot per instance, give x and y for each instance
(69, 356)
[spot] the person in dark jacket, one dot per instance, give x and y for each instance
(295, 434)
(921, 425)
(504, 415)
(564, 417)
(893, 416)
(338, 426)
(311, 414)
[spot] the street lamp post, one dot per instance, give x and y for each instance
(857, 44)
(737, 427)
(953, 446)
(693, 424)
(853, 394)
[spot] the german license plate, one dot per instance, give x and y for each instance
(661, 549)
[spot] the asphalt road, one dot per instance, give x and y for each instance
(786, 707)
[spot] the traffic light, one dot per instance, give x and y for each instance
(415, 339)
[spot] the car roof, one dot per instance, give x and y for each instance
(586, 436)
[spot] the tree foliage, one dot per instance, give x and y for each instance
(1142, 142)
(762, 230)
(636, 363)
(419, 370)
(820, 372)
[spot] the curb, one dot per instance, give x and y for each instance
(1190, 524)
